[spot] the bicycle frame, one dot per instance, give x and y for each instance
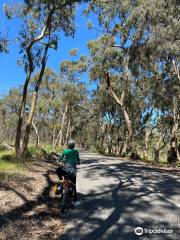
(67, 193)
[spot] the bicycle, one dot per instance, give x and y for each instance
(67, 195)
(65, 188)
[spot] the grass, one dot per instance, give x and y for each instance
(162, 161)
(7, 155)
(8, 165)
(9, 168)
(33, 150)
(50, 148)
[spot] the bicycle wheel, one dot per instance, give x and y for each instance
(65, 205)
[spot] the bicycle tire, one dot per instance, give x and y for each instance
(65, 205)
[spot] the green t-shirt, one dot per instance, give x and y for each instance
(70, 156)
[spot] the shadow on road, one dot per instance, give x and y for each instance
(115, 211)
(111, 213)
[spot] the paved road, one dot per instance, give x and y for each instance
(118, 196)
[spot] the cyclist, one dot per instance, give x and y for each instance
(71, 158)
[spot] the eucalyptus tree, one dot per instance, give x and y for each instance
(107, 119)
(139, 43)
(47, 104)
(9, 114)
(58, 97)
(106, 67)
(42, 21)
(73, 92)
(3, 41)
(3, 44)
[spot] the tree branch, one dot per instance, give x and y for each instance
(50, 45)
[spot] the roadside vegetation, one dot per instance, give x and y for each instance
(121, 97)
(132, 112)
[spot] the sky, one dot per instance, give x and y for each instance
(11, 75)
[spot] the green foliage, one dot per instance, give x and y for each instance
(7, 155)
(42, 22)
(49, 148)
(35, 153)
(3, 44)
(8, 163)
(72, 70)
(33, 150)
(138, 48)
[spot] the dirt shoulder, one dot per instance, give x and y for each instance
(171, 169)
(28, 207)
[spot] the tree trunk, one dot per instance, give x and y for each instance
(60, 134)
(156, 155)
(33, 103)
(102, 143)
(30, 69)
(71, 131)
(28, 124)
(173, 152)
(53, 137)
(121, 149)
(60, 141)
(129, 126)
(158, 148)
(109, 145)
(176, 113)
(102, 135)
(178, 152)
(126, 116)
(68, 130)
(37, 134)
(21, 115)
(145, 154)
(146, 139)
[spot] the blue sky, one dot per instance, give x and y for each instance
(12, 75)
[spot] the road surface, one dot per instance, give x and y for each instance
(119, 196)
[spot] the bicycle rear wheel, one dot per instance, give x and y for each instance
(65, 204)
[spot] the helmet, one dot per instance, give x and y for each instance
(71, 143)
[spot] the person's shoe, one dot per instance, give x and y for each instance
(76, 203)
